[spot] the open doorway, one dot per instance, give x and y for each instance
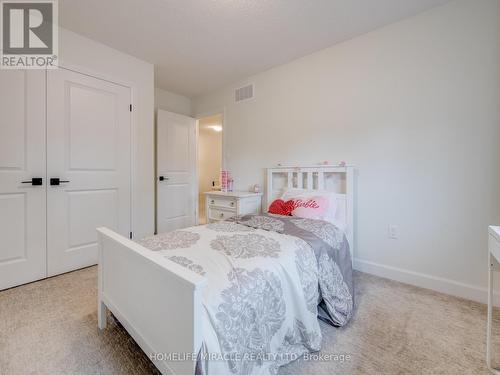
(209, 158)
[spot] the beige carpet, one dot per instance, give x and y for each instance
(50, 327)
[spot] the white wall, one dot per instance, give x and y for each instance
(97, 58)
(416, 107)
(168, 101)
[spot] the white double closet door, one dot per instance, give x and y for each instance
(74, 132)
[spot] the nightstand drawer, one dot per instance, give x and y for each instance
(222, 202)
(218, 214)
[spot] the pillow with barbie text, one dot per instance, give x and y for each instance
(304, 195)
(310, 207)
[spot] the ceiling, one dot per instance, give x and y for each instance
(201, 45)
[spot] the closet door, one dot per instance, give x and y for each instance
(88, 166)
(22, 157)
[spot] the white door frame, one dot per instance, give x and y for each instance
(198, 117)
(133, 122)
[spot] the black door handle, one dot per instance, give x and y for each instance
(163, 178)
(35, 181)
(56, 181)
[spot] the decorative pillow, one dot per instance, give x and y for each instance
(310, 208)
(304, 194)
(280, 207)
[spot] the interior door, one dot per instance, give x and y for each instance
(88, 166)
(176, 171)
(22, 158)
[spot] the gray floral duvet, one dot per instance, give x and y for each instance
(269, 279)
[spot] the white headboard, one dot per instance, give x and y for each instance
(337, 179)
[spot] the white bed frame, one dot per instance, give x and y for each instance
(159, 302)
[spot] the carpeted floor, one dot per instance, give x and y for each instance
(50, 327)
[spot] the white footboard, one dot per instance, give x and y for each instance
(157, 301)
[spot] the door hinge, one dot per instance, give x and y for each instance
(130, 107)
(130, 235)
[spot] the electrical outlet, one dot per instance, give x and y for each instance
(392, 231)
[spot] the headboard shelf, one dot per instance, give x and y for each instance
(319, 166)
(334, 178)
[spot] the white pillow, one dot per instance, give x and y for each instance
(341, 213)
(330, 214)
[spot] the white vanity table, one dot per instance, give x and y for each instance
(493, 266)
(222, 206)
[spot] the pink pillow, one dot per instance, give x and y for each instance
(331, 212)
(310, 208)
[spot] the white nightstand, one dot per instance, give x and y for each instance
(222, 206)
(493, 265)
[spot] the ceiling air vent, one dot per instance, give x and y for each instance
(244, 93)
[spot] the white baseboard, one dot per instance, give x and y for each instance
(438, 284)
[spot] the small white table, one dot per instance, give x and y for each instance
(493, 266)
(222, 206)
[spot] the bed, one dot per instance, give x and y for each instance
(239, 296)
